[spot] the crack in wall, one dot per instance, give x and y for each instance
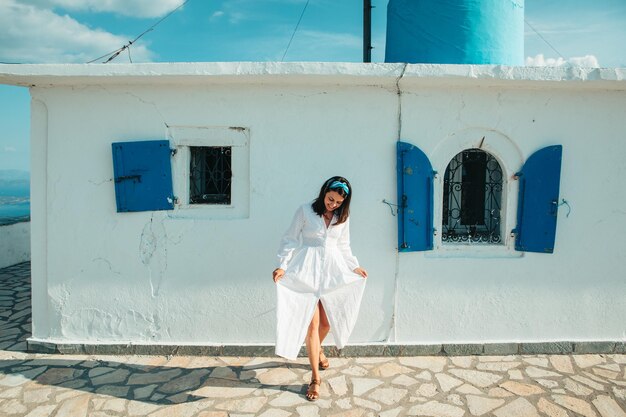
(156, 108)
(100, 182)
(153, 240)
(106, 261)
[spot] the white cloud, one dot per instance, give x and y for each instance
(35, 35)
(9, 149)
(217, 14)
(588, 61)
(133, 8)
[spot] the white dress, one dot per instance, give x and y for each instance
(318, 264)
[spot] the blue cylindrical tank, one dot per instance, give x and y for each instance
(455, 31)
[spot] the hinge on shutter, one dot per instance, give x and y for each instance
(174, 151)
(128, 177)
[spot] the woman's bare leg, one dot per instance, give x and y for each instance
(324, 328)
(313, 343)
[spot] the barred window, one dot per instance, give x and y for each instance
(210, 175)
(472, 197)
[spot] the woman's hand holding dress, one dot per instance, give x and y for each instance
(360, 271)
(278, 274)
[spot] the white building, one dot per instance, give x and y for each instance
(199, 275)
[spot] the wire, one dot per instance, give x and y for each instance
(115, 53)
(295, 30)
(544, 39)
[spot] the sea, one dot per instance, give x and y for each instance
(14, 209)
(14, 196)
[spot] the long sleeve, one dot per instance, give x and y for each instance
(344, 247)
(291, 239)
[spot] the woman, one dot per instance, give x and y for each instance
(319, 281)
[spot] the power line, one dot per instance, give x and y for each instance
(295, 30)
(115, 53)
(544, 39)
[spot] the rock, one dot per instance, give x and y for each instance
(481, 405)
(478, 378)
(75, 407)
(447, 382)
(462, 361)
(144, 392)
(576, 388)
(275, 412)
(436, 409)
(534, 372)
(308, 411)
(550, 409)
(390, 369)
(277, 376)
(55, 376)
(388, 396)
(367, 404)
(12, 407)
(362, 385)
(469, 389)
(576, 405)
(585, 361)
(14, 380)
(153, 377)
(404, 380)
(42, 411)
(497, 366)
(244, 405)
(521, 389)
(427, 390)
(543, 362)
(517, 408)
(424, 375)
(608, 407)
(588, 382)
(338, 385)
(38, 395)
(432, 363)
(114, 377)
(289, 399)
(184, 383)
(562, 363)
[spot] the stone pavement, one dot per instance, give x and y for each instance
(158, 386)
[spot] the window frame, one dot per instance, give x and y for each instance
(238, 139)
(510, 159)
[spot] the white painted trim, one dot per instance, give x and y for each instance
(238, 138)
(509, 156)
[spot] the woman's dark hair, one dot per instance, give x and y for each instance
(343, 211)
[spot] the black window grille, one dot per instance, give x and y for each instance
(210, 175)
(472, 197)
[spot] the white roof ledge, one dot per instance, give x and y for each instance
(323, 73)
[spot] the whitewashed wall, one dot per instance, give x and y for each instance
(208, 280)
(14, 244)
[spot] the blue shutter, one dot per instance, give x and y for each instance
(415, 199)
(538, 201)
(143, 175)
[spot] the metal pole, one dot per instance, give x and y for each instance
(367, 31)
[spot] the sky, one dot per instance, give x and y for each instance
(570, 32)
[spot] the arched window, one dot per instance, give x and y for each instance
(472, 198)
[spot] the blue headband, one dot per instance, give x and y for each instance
(339, 184)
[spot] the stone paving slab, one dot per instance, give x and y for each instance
(519, 385)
